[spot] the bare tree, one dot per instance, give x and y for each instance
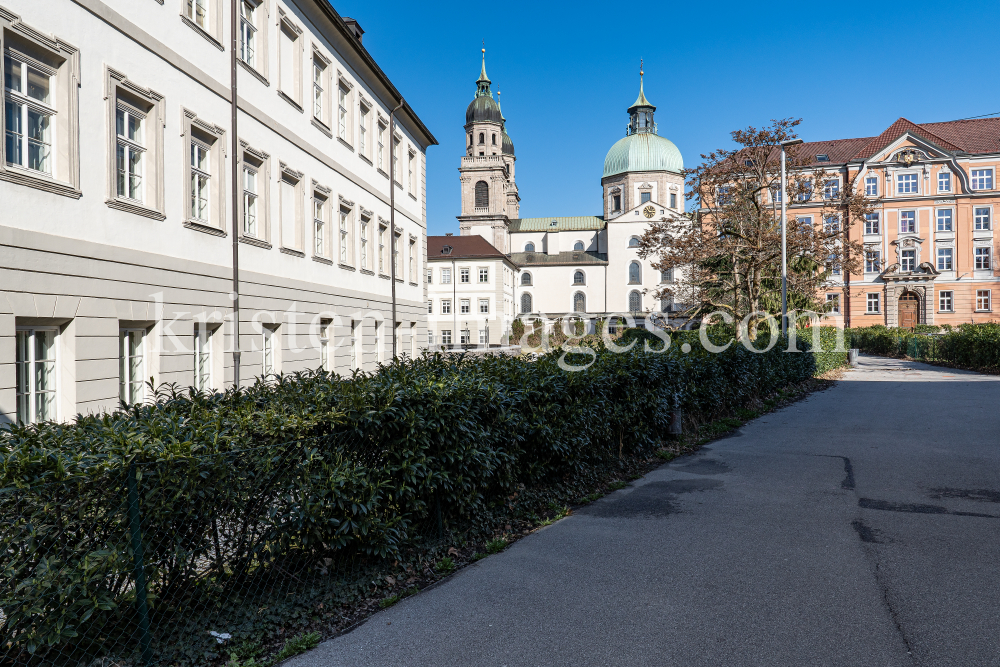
(727, 251)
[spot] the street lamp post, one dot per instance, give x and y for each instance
(784, 257)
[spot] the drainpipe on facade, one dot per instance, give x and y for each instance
(234, 110)
(392, 215)
(847, 250)
(454, 303)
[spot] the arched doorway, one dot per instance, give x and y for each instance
(909, 310)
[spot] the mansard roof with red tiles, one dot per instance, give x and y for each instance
(462, 247)
(976, 136)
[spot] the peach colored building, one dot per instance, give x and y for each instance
(930, 244)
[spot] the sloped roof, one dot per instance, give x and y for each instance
(895, 131)
(463, 247)
(563, 258)
(563, 224)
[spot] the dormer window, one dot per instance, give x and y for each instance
(554, 223)
(446, 250)
(822, 157)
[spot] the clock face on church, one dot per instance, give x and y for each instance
(649, 211)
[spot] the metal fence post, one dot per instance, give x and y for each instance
(139, 573)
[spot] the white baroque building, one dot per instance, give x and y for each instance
(581, 266)
(117, 182)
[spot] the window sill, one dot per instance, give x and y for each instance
(950, 312)
(413, 284)
(292, 252)
(260, 243)
(321, 126)
(322, 260)
(379, 170)
(368, 272)
(346, 145)
(382, 275)
(257, 75)
(983, 311)
(411, 196)
(122, 204)
(39, 181)
(283, 95)
(347, 267)
(200, 226)
(201, 31)
(365, 158)
(873, 312)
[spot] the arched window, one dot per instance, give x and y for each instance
(470, 138)
(579, 302)
(482, 138)
(665, 303)
(634, 301)
(578, 246)
(525, 278)
(578, 278)
(529, 247)
(525, 303)
(634, 273)
(482, 194)
(494, 140)
(633, 242)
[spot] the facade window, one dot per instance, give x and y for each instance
(484, 275)
(634, 273)
(381, 147)
(673, 200)
(318, 90)
(579, 302)
(907, 221)
(129, 152)
(873, 261)
(464, 275)
(494, 139)
(616, 202)
(355, 345)
(907, 184)
(482, 337)
(345, 236)
(871, 223)
(831, 224)
(806, 192)
(250, 196)
(482, 138)
(578, 246)
(130, 365)
(290, 61)
(983, 299)
(381, 250)
(203, 357)
(446, 276)
(525, 303)
(982, 179)
(324, 344)
(248, 32)
(430, 276)
(944, 259)
(633, 242)
(831, 261)
(267, 349)
(365, 224)
(463, 305)
(342, 112)
(526, 279)
(430, 306)
(197, 12)
(293, 211)
(908, 260)
(871, 186)
(982, 258)
(201, 181)
(665, 303)
(363, 131)
(634, 301)
(484, 306)
(529, 247)
(578, 278)
(446, 337)
(667, 276)
(411, 174)
(873, 302)
(833, 303)
(946, 301)
(29, 114)
(644, 197)
(982, 217)
(446, 306)
(944, 182)
(776, 195)
(466, 337)
(944, 220)
(319, 225)
(482, 194)
(35, 384)
(831, 189)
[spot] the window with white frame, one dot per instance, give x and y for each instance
(446, 337)
(290, 56)
(430, 306)
(380, 158)
(873, 261)
(365, 225)
(873, 302)
(466, 337)
(395, 160)
(29, 113)
(579, 278)
(805, 191)
(833, 303)
(831, 188)
(204, 166)
(907, 260)
(248, 32)
(131, 367)
(446, 275)
(526, 278)
(446, 306)
(130, 150)
(464, 275)
(197, 11)
(482, 336)
(411, 173)
(945, 222)
(363, 130)
(982, 259)
(673, 200)
(831, 224)
(319, 225)
(633, 242)
(250, 197)
(635, 273)
(946, 301)
(871, 186)
(944, 259)
(203, 357)
(292, 210)
(413, 260)
(667, 276)
(35, 374)
(355, 345)
(430, 276)
(324, 344)
(982, 179)
(201, 181)
(983, 300)
(484, 306)
(254, 210)
(981, 218)
(398, 257)
(346, 250)
(484, 274)
(907, 222)
(319, 89)
(381, 248)
(944, 181)
(833, 264)
(871, 223)
(267, 352)
(342, 103)
(463, 306)
(907, 184)
(578, 246)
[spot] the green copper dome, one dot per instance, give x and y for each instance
(643, 152)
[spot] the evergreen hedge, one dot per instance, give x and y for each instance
(972, 346)
(313, 467)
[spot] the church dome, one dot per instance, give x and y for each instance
(483, 108)
(643, 152)
(508, 145)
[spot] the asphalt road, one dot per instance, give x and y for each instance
(858, 527)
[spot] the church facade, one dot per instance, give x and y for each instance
(579, 266)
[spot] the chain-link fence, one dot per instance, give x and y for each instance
(161, 563)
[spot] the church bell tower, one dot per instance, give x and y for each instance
(489, 194)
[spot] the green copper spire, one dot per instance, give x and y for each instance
(640, 101)
(483, 82)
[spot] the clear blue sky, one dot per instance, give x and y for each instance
(568, 72)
